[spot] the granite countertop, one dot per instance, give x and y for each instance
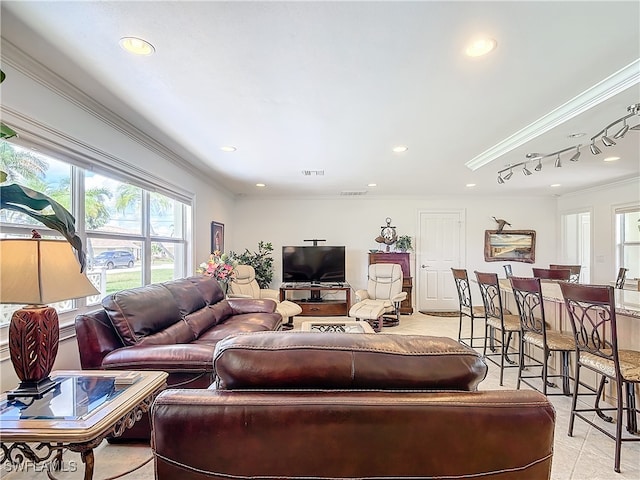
(627, 301)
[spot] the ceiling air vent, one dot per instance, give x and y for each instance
(310, 173)
(353, 193)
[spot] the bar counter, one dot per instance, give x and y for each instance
(627, 304)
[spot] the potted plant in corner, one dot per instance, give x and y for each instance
(261, 261)
(404, 243)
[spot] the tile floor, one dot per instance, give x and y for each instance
(588, 455)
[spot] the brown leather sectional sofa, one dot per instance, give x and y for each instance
(172, 327)
(293, 405)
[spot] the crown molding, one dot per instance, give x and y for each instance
(31, 68)
(635, 180)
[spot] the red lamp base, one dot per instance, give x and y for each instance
(33, 345)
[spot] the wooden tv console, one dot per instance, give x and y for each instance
(315, 305)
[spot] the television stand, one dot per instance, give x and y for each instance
(316, 304)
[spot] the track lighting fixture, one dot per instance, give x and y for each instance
(607, 141)
(633, 110)
(575, 156)
(558, 163)
(623, 131)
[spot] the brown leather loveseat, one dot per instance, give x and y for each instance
(172, 326)
(294, 405)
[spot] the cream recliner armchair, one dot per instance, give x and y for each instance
(243, 284)
(380, 302)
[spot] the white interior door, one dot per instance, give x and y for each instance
(439, 249)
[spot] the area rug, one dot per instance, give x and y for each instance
(438, 313)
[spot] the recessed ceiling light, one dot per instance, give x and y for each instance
(372, 185)
(611, 159)
(554, 185)
(137, 46)
(470, 185)
(576, 135)
(260, 185)
(400, 148)
(228, 148)
(480, 46)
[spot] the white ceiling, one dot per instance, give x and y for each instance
(334, 86)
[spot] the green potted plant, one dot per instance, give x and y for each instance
(404, 243)
(261, 261)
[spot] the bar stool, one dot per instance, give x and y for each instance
(507, 270)
(467, 309)
(528, 295)
(497, 319)
(574, 271)
(622, 276)
(592, 314)
(552, 274)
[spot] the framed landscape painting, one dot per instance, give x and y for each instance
(217, 237)
(510, 246)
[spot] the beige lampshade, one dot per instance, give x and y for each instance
(36, 271)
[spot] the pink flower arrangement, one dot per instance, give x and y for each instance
(219, 266)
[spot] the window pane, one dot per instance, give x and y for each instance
(38, 172)
(166, 261)
(166, 216)
(117, 261)
(112, 206)
(632, 227)
(631, 260)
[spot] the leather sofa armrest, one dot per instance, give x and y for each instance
(96, 338)
(399, 297)
(361, 295)
(247, 305)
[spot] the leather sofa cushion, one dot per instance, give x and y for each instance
(139, 312)
(186, 294)
(168, 358)
(209, 288)
(281, 360)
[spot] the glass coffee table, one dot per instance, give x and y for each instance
(340, 326)
(85, 407)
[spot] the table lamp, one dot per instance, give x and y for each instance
(36, 272)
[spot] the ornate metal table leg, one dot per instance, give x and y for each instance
(87, 459)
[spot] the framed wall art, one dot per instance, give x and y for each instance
(217, 237)
(510, 246)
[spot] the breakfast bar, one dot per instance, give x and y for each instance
(627, 303)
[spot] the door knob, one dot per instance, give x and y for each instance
(425, 266)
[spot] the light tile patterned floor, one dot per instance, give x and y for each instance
(588, 455)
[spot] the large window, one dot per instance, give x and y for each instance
(628, 240)
(133, 236)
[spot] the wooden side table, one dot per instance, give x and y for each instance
(85, 407)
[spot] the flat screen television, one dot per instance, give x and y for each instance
(314, 264)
